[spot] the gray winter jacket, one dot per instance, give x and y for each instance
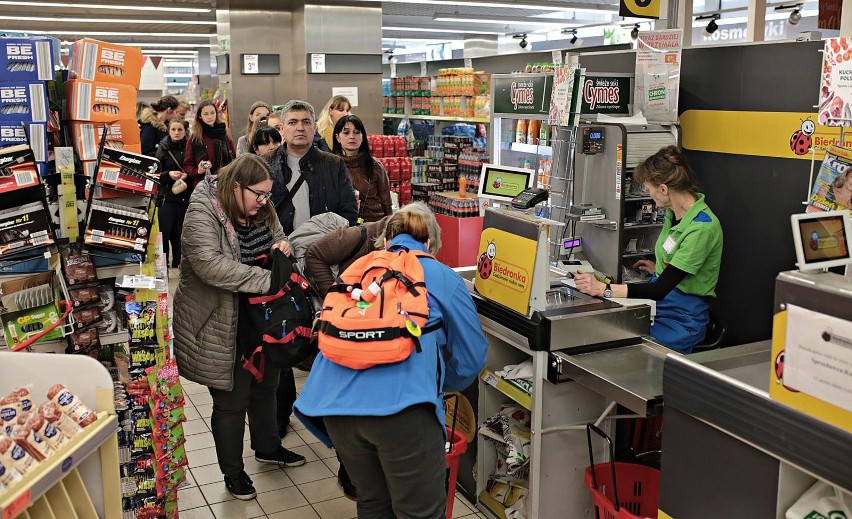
(206, 302)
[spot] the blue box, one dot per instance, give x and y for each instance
(23, 101)
(14, 133)
(27, 59)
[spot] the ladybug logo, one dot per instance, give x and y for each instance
(801, 141)
(779, 371)
(497, 182)
(486, 261)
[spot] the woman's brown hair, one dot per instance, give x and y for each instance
(670, 167)
(252, 126)
(246, 170)
(417, 220)
(198, 125)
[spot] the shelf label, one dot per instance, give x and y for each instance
(491, 379)
(468, 62)
(423, 69)
(21, 503)
(250, 64)
(317, 63)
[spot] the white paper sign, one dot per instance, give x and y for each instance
(250, 64)
(818, 356)
(468, 62)
(350, 93)
(557, 57)
(423, 69)
(317, 63)
(393, 69)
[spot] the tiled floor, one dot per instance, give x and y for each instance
(306, 492)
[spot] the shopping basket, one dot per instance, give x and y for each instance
(639, 485)
(456, 446)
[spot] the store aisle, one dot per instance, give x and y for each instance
(307, 492)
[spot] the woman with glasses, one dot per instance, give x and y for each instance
(229, 224)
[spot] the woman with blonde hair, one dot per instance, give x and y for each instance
(381, 418)
(337, 107)
(259, 110)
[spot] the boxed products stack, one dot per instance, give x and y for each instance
(26, 65)
(24, 218)
(470, 164)
(391, 151)
(102, 92)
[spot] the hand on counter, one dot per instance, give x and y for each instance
(587, 284)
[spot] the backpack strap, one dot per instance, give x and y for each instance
(248, 364)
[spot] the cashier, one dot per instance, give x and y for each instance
(687, 253)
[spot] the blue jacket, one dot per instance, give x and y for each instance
(332, 389)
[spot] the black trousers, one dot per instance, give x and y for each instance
(171, 219)
(286, 396)
(248, 396)
(397, 463)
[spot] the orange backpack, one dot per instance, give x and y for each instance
(377, 312)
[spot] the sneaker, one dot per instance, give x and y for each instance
(241, 486)
(346, 484)
(282, 457)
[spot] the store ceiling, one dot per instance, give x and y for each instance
(176, 31)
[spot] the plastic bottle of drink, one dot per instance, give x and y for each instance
(462, 186)
(521, 131)
(533, 131)
(544, 134)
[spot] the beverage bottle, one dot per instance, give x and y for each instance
(521, 131)
(533, 131)
(462, 186)
(544, 134)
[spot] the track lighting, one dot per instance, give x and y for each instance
(795, 16)
(712, 26)
(635, 32)
(523, 37)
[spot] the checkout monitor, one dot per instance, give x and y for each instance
(822, 239)
(503, 183)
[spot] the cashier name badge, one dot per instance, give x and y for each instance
(669, 244)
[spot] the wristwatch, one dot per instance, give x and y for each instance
(607, 291)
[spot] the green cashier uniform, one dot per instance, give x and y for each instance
(693, 245)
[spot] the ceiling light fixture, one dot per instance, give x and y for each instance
(108, 6)
(574, 37)
(433, 29)
(463, 18)
(634, 33)
(579, 7)
(110, 33)
(712, 26)
(62, 19)
(523, 37)
(142, 44)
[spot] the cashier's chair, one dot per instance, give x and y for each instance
(715, 334)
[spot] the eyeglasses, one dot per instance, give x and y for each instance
(261, 197)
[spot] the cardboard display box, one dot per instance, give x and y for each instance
(117, 226)
(122, 135)
(14, 133)
(24, 227)
(115, 176)
(94, 60)
(27, 59)
(18, 168)
(31, 304)
(25, 101)
(100, 102)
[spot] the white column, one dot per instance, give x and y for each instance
(684, 20)
(756, 20)
(846, 19)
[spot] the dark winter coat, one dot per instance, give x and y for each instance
(167, 164)
(373, 188)
(151, 131)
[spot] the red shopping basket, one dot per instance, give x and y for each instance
(640, 482)
(458, 446)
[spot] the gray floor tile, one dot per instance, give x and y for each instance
(333, 464)
(307, 436)
(191, 427)
(201, 398)
(313, 471)
(189, 482)
(203, 512)
(202, 457)
(252, 466)
(322, 490)
(204, 475)
(205, 410)
(303, 512)
(292, 440)
(199, 441)
(190, 412)
(237, 509)
(190, 498)
(460, 509)
(340, 508)
(216, 492)
(306, 451)
(322, 451)
(272, 480)
(283, 499)
(191, 388)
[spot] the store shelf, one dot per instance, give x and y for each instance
(52, 470)
(508, 389)
(638, 199)
(438, 118)
(491, 505)
(630, 225)
(532, 148)
(637, 254)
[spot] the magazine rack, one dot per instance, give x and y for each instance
(82, 479)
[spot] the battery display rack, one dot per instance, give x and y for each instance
(24, 217)
(117, 226)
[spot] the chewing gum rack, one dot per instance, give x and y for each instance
(122, 135)
(94, 60)
(100, 102)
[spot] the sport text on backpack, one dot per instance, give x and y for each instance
(377, 312)
(277, 327)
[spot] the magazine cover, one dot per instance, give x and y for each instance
(563, 100)
(835, 94)
(832, 190)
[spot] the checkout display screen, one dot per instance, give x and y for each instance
(504, 183)
(824, 239)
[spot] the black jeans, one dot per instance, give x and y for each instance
(229, 418)
(286, 395)
(171, 219)
(397, 463)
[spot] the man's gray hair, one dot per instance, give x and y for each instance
(297, 105)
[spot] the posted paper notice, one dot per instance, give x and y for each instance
(818, 356)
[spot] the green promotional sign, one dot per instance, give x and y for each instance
(605, 94)
(522, 94)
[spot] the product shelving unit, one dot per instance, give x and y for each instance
(81, 480)
(438, 118)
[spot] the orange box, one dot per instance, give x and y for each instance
(86, 137)
(94, 60)
(100, 102)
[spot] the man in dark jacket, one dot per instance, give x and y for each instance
(307, 181)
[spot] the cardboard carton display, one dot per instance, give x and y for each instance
(27, 59)
(94, 60)
(25, 101)
(99, 102)
(122, 135)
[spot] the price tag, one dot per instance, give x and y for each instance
(393, 70)
(318, 63)
(21, 503)
(250, 64)
(137, 282)
(468, 62)
(491, 379)
(149, 185)
(423, 69)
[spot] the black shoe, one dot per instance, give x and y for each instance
(282, 457)
(345, 483)
(241, 486)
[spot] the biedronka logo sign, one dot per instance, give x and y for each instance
(504, 268)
